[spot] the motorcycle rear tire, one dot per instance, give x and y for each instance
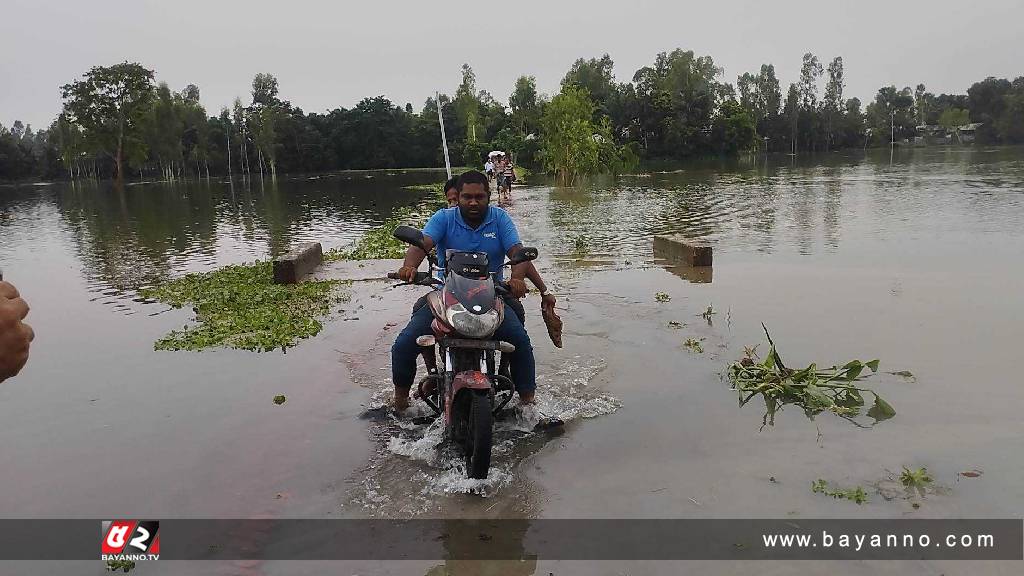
(478, 445)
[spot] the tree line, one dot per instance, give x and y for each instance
(118, 121)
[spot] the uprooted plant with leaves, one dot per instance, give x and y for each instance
(815, 390)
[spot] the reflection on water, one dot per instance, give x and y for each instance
(796, 205)
(147, 232)
(144, 233)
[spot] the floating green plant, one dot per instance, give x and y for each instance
(815, 390)
(918, 480)
(240, 306)
(693, 345)
(856, 494)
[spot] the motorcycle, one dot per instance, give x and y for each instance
(468, 388)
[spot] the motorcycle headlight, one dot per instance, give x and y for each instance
(472, 325)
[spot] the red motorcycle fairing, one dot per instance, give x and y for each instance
(435, 300)
(440, 328)
(472, 379)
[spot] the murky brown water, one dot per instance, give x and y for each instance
(915, 263)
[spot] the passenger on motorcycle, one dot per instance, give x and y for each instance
(472, 226)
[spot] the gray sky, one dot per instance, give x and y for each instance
(330, 54)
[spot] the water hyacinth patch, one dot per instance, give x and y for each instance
(380, 242)
(815, 390)
(239, 306)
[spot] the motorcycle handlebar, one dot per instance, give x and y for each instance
(422, 279)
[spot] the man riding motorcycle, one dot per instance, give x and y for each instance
(473, 226)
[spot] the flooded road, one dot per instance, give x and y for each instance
(915, 263)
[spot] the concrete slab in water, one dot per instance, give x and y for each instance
(293, 266)
(685, 250)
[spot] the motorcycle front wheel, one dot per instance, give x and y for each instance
(478, 441)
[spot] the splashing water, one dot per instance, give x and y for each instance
(413, 470)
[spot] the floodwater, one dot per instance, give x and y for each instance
(916, 262)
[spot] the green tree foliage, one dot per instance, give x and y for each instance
(524, 105)
(467, 106)
(573, 145)
(1010, 124)
(832, 105)
(109, 103)
(952, 118)
(810, 73)
(595, 75)
(678, 97)
(116, 121)
(987, 101)
(891, 115)
(733, 129)
(569, 146)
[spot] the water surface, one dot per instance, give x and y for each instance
(914, 262)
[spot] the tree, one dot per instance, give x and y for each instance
(677, 99)
(240, 118)
(596, 76)
(761, 97)
(263, 118)
(67, 139)
(986, 101)
(572, 145)
(953, 118)
(768, 92)
(891, 115)
(524, 106)
(792, 114)
(264, 90)
(467, 107)
(833, 101)
(109, 103)
(1010, 125)
(923, 104)
(733, 130)
(810, 72)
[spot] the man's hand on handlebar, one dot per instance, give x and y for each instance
(407, 273)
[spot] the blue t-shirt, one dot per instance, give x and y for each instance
(494, 236)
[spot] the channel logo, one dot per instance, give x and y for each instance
(130, 540)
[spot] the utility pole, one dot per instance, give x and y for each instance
(892, 133)
(444, 140)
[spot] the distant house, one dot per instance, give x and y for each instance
(967, 132)
(927, 134)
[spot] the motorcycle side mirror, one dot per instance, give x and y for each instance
(410, 235)
(524, 255)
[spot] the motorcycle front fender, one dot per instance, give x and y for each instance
(470, 379)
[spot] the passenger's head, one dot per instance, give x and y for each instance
(451, 191)
(474, 195)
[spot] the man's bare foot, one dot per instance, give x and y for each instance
(526, 398)
(401, 400)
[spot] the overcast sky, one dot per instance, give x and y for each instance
(331, 54)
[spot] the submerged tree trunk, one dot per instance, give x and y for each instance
(119, 162)
(228, 133)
